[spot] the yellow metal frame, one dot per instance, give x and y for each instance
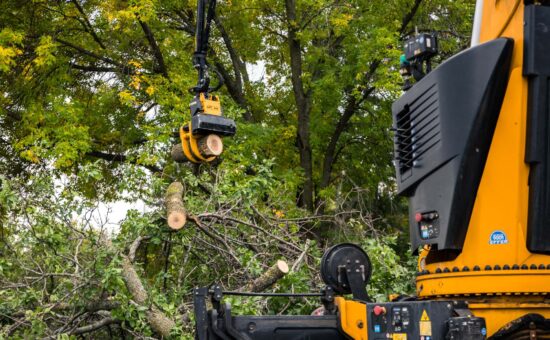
(503, 194)
(500, 296)
(353, 318)
(499, 311)
(190, 147)
(210, 105)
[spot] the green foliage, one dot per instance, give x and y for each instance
(89, 104)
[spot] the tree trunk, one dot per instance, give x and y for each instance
(235, 85)
(175, 213)
(330, 152)
(303, 104)
(267, 279)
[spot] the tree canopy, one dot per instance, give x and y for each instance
(92, 95)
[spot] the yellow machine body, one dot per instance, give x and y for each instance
(499, 296)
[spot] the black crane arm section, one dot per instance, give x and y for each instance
(206, 10)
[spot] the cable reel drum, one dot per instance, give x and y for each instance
(347, 269)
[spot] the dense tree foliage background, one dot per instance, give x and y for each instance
(91, 92)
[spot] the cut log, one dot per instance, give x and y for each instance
(177, 154)
(211, 145)
(175, 212)
(267, 279)
(157, 319)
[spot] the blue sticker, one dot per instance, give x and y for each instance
(483, 331)
(424, 234)
(498, 237)
(376, 328)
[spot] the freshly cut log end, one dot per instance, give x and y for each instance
(175, 212)
(211, 145)
(177, 153)
(176, 220)
(282, 266)
(269, 277)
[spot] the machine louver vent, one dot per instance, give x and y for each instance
(417, 131)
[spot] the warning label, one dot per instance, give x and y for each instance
(424, 316)
(425, 325)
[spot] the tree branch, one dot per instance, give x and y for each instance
(91, 68)
(91, 54)
(122, 159)
(409, 16)
(94, 326)
(158, 321)
(87, 25)
(155, 48)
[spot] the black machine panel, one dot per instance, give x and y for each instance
(289, 327)
(443, 130)
(424, 320)
(537, 155)
(406, 320)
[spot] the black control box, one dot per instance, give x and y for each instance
(421, 46)
(424, 320)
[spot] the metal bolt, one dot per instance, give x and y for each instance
(360, 324)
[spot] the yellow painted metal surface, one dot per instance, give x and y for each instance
(211, 104)
(502, 282)
(190, 147)
(502, 198)
(500, 311)
(353, 318)
(499, 296)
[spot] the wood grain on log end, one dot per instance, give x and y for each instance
(211, 145)
(176, 215)
(283, 266)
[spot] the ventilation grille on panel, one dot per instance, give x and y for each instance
(417, 130)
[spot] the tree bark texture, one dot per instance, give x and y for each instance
(158, 321)
(177, 154)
